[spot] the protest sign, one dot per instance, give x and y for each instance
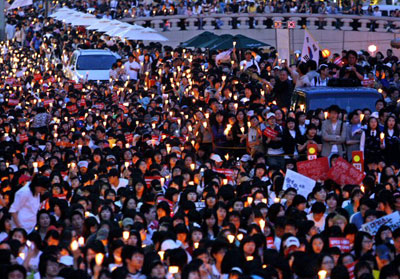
(391, 220)
(301, 183)
(342, 172)
(315, 169)
(342, 243)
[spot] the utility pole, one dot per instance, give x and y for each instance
(2, 21)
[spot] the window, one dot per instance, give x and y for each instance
(95, 62)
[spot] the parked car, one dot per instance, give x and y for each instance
(90, 64)
(349, 98)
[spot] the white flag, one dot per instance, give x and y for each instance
(310, 48)
(20, 3)
(223, 57)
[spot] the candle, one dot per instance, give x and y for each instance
(196, 245)
(225, 181)
(99, 258)
(22, 255)
(81, 241)
(74, 245)
(35, 165)
(193, 166)
(262, 225)
(173, 269)
(231, 238)
(125, 235)
(239, 237)
(326, 114)
(249, 200)
(322, 274)
(249, 258)
(264, 201)
(126, 165)
(362, 117)
(242, 130)
(382, 136)
(277, 200)
(161, 254)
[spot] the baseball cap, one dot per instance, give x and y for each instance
(270, 114)
(216, 158)
(292, 241)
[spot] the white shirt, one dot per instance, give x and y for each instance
(334, 147)
(27, 206)
(130, 69)
(246, 64)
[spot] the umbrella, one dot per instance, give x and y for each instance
(241, 43)
(144, 34)
(98, 24)
(216, 41)
(84, 21)
(199, 39)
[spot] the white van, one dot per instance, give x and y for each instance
(90, 64)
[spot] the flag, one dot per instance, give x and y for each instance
(310, 48)
(224, 56)
(20, 3)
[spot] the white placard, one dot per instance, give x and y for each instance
(301, 183)
(391, 220)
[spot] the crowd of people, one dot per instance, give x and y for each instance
(174, 168)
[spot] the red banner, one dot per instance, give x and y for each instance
(227, 172)
(270, 133)
(149, 179)
(315, 169)
(342, 172)
(342, 243)
(78, 86)
(13, 102)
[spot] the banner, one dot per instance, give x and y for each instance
(20, 3)
(301, 183)
(315, 169)
(342, 172)
(391, 220)
(341, 242)
(310, 48)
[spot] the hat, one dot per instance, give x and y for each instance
(110, 157)
(102, 234)
(375, 114)
(67, 260)
(383, 252)
(277, 68)
(83, 164)
(23, 178)
(245, 158)
(169, 244)
(292, 241)
(237, 269)
(270, 114)
(127, 222)
(216, 158)
(250, 113)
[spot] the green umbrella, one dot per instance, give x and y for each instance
(199, 39)
(211, 44)
(242, 42)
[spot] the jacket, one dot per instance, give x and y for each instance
(329, 137)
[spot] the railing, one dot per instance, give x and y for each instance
(267, 21)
